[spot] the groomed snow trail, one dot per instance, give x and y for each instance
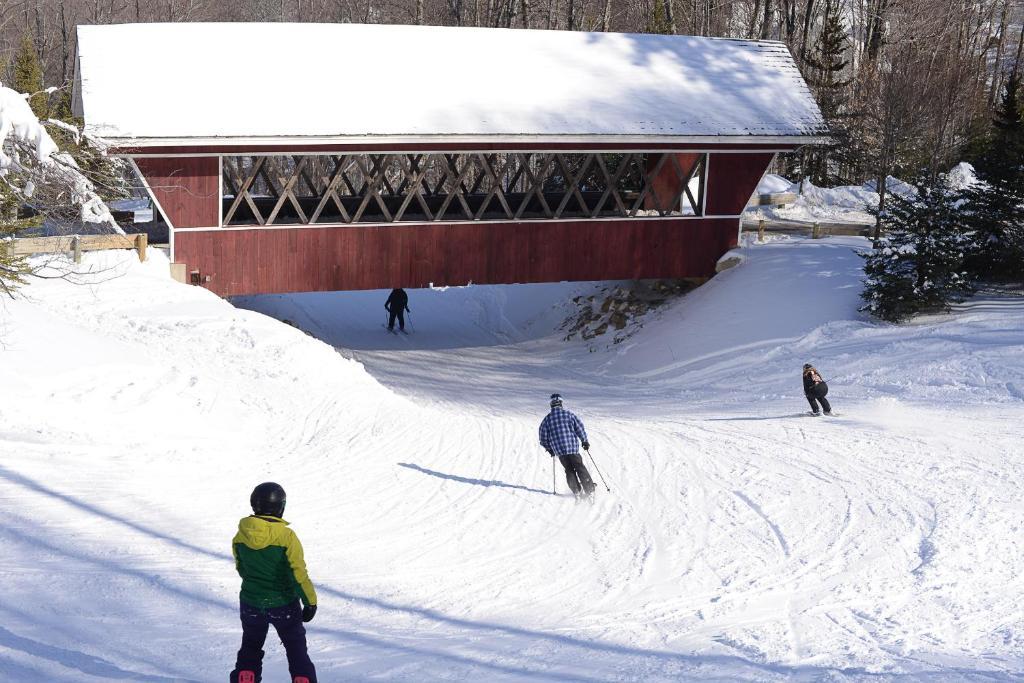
(742, 540)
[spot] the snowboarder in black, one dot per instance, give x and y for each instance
(560, 434)
(397, 306)
(815, 390)
(276, 589)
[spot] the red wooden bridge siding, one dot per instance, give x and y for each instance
(732, 178)
(268, 260)
(187, 188)
(376, 257)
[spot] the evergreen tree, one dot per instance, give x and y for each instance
(658, 22)
(995, 207)
(13, 269)
(918, 266)
(27, 76)
(824, 69)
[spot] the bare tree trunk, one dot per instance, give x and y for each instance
(808, 14)
(526, 13)
(881, 207)
(1020, 48)
(766, 22)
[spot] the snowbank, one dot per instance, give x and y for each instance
(843, 204)
(772, 183)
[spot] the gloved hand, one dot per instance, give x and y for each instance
(550, 452)
(308, 612)
(407, 310)
(586, 445)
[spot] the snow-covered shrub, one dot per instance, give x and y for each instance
(40, 179)
(918, 266)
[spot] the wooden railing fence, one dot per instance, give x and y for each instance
(76, 244)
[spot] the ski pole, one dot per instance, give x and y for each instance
(553, 493)
(410, 321)
(597, 469)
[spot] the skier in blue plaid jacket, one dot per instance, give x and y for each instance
(560, 435)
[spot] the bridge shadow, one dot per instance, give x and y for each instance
(475, 482)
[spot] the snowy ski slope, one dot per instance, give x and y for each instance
(742, 541)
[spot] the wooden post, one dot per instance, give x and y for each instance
(76, 248)
(141, 242)
(760, 230)
(816, 231)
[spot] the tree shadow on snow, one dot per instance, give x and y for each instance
(475, 482)
(746, 418)
(476, 649)
(73, 659)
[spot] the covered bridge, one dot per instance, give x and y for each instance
(306, 157)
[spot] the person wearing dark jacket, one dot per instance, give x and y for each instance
(560, 434)
(397, 306)
(268, 557)
(815, 390)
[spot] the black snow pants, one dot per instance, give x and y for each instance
(817, 393)
(287, 621)
(398, 313)
(576, 474)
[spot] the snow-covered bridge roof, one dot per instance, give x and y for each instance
(194, 83)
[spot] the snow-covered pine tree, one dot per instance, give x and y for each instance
(34, 171)
(918, 265)
(13, 269)
(995, 207)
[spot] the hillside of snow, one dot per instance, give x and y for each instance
(741, 540)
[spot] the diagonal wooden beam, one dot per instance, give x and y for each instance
(495, 187)
(537, 186)
(572, 183)
(288, 193)
(330, 192)
(413, 180)
(645, 190)
(372, 185)
(243, 193)
(457, 186)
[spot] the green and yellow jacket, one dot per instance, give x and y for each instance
(268, 557)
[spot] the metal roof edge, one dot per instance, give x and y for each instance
(141, 142)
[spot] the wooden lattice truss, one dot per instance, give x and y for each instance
(373, 188)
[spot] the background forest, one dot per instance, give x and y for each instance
(908, 87)
(905, 84)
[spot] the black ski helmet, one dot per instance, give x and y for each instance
(556, 400)
(268, 499)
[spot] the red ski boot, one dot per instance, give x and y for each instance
(300, 679)
(246, 677)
